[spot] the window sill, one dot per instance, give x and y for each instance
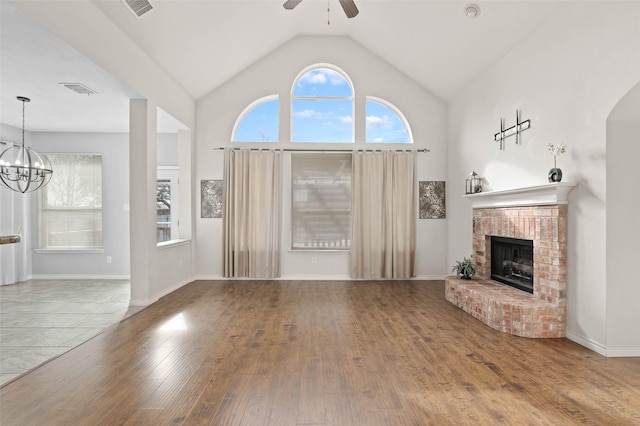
(172, 243)
(68, 251)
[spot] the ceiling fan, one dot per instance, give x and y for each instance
(348, 6)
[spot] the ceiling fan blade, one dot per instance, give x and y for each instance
(290, 4)
(349, 8)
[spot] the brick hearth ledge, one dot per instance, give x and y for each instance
(536, 213)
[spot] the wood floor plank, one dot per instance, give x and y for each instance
(320, 353)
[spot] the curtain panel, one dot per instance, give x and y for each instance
(384, 215)
(252, 214)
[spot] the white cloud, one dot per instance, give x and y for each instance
(346, 119)
(379, 123)
(323, 76)
(306, 113)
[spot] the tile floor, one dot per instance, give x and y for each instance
(41, 319)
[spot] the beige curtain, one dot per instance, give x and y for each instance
(252, 214)
(384, 215)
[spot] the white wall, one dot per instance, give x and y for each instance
(114, 148)
(566, 77)
(15, 259)
(275, 74)
(623, 234)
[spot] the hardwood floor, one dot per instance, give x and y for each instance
(320, 353)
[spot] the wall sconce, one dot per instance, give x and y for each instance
(473, 183)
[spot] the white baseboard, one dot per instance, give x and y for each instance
(587, 343)
(431, 277)
(141, 302)
(623, 351)
(77, 277)
(207, 277)
(156, 297)
(307, 277)
(312, 278)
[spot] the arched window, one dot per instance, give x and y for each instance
(322, 106)
(258, 122)
(385, 123)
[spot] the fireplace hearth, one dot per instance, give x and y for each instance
(539, 215)
(512, 262)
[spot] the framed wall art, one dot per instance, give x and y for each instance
(211, 198)
(432, 200)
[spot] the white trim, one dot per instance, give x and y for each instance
(172, 243)
(155, 298)
(77, 277)
(587, 343)
(68, 251)
(208, 277)
(315, 278)
(623, 351)
(548, 194)
(141, 302)
(430, 277)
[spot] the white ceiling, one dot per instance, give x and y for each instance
(203, 43)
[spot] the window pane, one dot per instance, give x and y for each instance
(384, 125)
(71, 204)
(163, 201)
(260, 124)
(321, 201)
(322, 82)
(75, 229)
(322, 121)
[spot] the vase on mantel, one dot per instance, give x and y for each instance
(555, 175)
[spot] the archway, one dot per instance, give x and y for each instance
(623, 233)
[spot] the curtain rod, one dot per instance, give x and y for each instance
(327, 150)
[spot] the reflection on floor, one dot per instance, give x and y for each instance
(41, 319)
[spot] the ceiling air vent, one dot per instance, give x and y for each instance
(138, 7)
(79, 88)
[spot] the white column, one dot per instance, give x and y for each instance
(142, 202)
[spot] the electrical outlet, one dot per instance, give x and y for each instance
(314, 259)
(108, 259)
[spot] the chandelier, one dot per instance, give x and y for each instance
(21, 168)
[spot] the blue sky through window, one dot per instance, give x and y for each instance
(260, 124)
(322, 107)
(384, 125)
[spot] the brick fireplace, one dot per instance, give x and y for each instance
(535, 213)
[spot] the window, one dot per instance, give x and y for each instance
(322, 107)
(258, 122)
(70, 206)
(385, 124)
(167, 211)
(321, 201)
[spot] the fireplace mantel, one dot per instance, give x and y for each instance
(548, 194)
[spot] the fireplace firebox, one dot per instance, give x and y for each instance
(512, 262)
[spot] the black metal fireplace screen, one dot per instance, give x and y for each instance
(512, 262)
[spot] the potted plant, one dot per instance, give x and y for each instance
(464, 268)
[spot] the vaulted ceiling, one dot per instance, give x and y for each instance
(203, 43)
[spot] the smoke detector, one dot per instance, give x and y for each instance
(472, 10)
